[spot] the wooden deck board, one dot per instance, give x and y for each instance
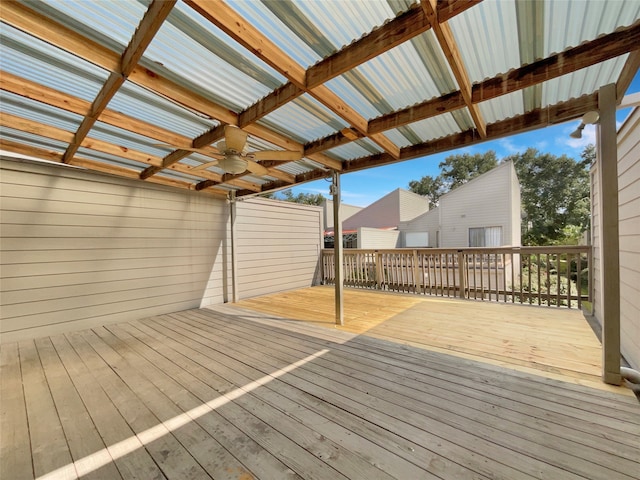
(231, 393)
(556, 343)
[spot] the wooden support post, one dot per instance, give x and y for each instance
(234, 252)
(610, 248)
(337, 248)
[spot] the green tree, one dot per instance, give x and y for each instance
(430, 187)
(456, 170)
(554, 194)
(304, 198)
(459, 169)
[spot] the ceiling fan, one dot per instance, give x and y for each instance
(234, 156)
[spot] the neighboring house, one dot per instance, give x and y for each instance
(376, 225)
(346, 211)
(629, 238)
(484, 212)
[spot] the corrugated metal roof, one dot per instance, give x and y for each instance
(39, 112)
(304, 119)
(144, 105)
(35, 60)
(189, 51)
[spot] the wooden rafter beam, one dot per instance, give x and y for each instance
(407, 25)
(447, 9)
(25, 125)
(279, 97)
(630, 69)
(539, 118)
(149, 26)
(431, 108)
(404, 27)
(337, 139)
(451, 52)
(623, 40)
(119, 171)
(47, 29)
(234, 25)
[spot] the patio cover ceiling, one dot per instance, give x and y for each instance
(351, 84)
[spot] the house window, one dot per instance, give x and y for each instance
(485, 237)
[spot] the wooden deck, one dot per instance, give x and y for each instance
(556, 343)
(228, 393)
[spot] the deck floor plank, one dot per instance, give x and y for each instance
(233, 392)
(220, 349)
(443, 395)
(109, 423)
(306, 452)
(80, 431)
(481, 426)
(505, 386)
(558, 342)
(167, 451)
(174, 363)
(49, 447)
(15, 446)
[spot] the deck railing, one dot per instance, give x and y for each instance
(551, 276)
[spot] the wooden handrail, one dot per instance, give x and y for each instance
(547, 275)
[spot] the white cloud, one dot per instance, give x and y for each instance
(509, 147)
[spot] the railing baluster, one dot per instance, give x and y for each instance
(459, 272)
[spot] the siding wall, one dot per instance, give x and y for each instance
(345, 212)
(279, 245)
(376, 238)
(427, 222)
(490, 200)
(388, 211)
(81, 249)
(629, 235)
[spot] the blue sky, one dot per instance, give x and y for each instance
(364, 187)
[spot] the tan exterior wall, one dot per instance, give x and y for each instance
(388, 211)
(80, 250)
(629, 237)
(428, 222)
(346, 211)
(279, 246)
(376, 238)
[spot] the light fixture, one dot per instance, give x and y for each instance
(233, 164)
(587, 119)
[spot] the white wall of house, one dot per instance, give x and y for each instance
(490, 200)
(395, 207)
(374, 238)
(629, 238)
(80, 250)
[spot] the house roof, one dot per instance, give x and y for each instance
(351, 84)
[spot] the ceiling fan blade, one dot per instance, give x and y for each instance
(256, 168)
(204, 166)
(284, 155)
(235, 138)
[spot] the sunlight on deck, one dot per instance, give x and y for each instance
(555, 343)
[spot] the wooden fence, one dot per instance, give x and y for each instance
(551, 276)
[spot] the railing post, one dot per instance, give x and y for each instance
(461, 281)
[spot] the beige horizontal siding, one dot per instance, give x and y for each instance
(80, 250)
(278, 246)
